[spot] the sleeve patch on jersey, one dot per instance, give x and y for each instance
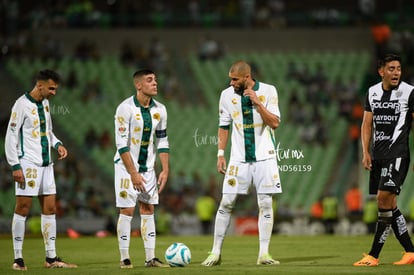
(161, 133)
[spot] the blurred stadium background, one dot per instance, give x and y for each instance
(320, 54)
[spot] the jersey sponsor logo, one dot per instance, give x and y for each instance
(135, 141)
(386, 105)
(254, 125)
(235, 114)
(234, 101)
(231, 182)
(379, 136)
(386, 117)
(121, 120)
(35, 133)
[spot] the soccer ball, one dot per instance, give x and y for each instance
(178, 255)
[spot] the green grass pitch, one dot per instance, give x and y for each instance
(308, 255)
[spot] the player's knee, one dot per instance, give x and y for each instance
(227, 202)
(264, 202)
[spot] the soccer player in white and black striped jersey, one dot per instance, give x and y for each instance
(389, 112)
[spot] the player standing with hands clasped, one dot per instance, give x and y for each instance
(251, 107)
(28, 143)
(140, 132)
(389, 111)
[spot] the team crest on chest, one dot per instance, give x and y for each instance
(156, 116)
(262, 98)
(398, 93)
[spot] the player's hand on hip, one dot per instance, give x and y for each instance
(221, 165)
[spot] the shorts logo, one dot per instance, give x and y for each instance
(123, 194)
(389, 183)
(231, 182)
(31, 183)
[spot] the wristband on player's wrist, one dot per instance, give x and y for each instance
(220, 153)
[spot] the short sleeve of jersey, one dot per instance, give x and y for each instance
(411, 102)
(273, 105)
(367, 106)
(224, 115)
(161, 131)
(122, 116)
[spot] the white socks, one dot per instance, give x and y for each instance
(18, 229)
(148, 235)
(48, 227)
(222, 221)
(49, 234)
(265, 222)
(124, 235)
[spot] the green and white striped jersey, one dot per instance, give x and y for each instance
(251, 139)
(29, 133)
(141, 131)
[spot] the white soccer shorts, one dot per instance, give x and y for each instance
(264, 175)
(125, 194)
(39, 180)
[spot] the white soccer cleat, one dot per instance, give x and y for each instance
(267, 260)
(212, 259)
